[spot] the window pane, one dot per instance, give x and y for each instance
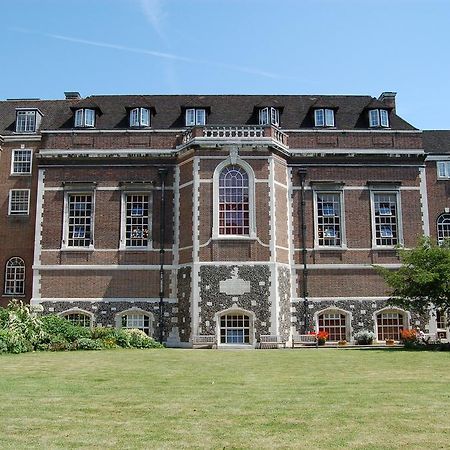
(79, 118)
(386, 220)
(374, 118)
(200, 117)
(26, 121)
(384, 118)
(79, 220)
(134, 117)
(390, 325)
(137, 220)
(19, 201)
(319, 118)
(190, 117)
(443, 227)
(274, 116)
(21, 161)
(264, 116)
(145, 117)
(329, 118)
(235, 329)
(234, 218)
(15, 276)
(137, 321)
(328, 219)
(89, 117)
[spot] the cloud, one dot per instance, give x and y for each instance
(158, 54)
(153, 11)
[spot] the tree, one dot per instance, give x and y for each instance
(423, 280)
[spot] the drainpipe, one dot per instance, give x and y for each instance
(302, 175)
(162, 233)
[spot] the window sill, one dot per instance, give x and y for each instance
(21, 174)
(77, 249)
(233, 237)
(14, 295)
(19, 216)
(331, 249)
(135, 249)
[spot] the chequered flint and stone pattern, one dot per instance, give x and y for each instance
(213, 301)
(105, 312)
(362, 312)
(184, 284)
(284, 298)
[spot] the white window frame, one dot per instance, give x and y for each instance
(443, 170)
(390, 310)
(399, 223)
(332, 310)
(15, 213)
(15, 279)
(332, 190)
(136, 312)
(324, 117)
(269, 116)
(13, 160)
(65, 238)
(28, 125)
(80, 311)
(123, 221)
(195, 117)
(251, 200)
(236, 311)
(140, 117)
(84, 118)
(378, 118)
(443, 227)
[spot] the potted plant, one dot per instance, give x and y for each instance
(342, 343)
(364, 337)
(322, 336)
(390, 341)
(409, 338)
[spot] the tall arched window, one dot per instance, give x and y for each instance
(15, 276)
(234, 206)
(443, 227)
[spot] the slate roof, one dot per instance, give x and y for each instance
(295, 110)
(436, 141)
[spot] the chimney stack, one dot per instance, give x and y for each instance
(72, 95)
(388, 98)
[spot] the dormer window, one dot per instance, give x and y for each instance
(195, 116)
(27, 120)
(140, 117)
(378, 118)
(324, 117)
(85, 117)
(269, 116)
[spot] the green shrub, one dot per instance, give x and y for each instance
(58, 344)
(364, 337)
(122, 338)
(4, 316)
(138, 339)
(102, 333)
(59, 326)
(3, 341)
(109, 342)
(88, 344)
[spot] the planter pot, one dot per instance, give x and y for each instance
(321, 341)
(390, 342)
(342, 343)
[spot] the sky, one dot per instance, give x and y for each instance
(342, 47)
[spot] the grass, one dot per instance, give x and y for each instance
(303, 399)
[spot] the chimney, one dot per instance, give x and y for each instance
(388, 98)
(72, 95)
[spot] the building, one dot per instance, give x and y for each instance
(246, 215)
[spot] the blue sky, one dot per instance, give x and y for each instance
(231, 46)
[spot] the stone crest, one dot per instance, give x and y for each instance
(234, 285)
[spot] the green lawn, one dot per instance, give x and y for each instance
(326, 398)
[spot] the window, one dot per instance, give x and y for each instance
(19, 202)
(79, 319)
(235, 329)
(335, 324)
(443, 228)
(137, 321)
(443, 169)
(26, 121)
(195, 116)
(234, 217)
(269, 116)
(79, 220)
(378, 118)
(137, 219)
(85, 117)
(15, 277)
(328, 219)
(324, 118)
(21, 162)
(441, 324)
(390, 325)
(140, 117)
(386, 219)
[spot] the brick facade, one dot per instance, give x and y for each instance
(211, 279)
